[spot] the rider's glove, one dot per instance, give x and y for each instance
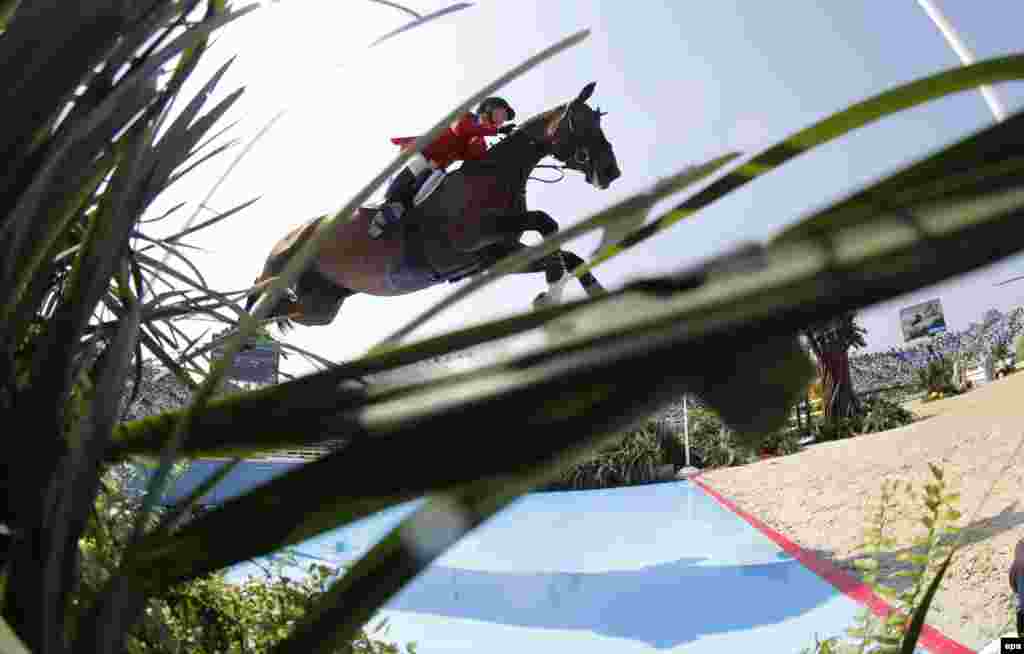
(507, 129)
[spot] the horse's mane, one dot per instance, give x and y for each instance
(544, 117)
(535, 126)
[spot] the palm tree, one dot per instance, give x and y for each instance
(831, 341)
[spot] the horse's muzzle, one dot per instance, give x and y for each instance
(604, 175)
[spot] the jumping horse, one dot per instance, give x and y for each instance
(476, 217)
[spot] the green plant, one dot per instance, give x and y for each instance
(781, 442)
(877, 414)
(925, 564)
(838, 429)
(936, 378)
(1000, 350)
(881, 414)
(633, 459)
(711, 444)
(213, 616)
(827, 646)
(208, 615)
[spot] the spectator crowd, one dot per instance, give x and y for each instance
(898, 366)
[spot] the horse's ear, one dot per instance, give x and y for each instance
(587, 91)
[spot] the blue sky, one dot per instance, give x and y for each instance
(682, 83)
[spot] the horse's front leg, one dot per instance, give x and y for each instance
(570, 261)
(555, 267)
(512, 227)
(499, 227)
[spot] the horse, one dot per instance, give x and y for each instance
(473, 219)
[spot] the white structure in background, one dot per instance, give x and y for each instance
(689, 470)
(962, 51)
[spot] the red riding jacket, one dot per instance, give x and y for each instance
(464, 140)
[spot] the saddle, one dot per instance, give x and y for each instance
(314, 300)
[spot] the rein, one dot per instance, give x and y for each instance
(546, 148)
(561, 172)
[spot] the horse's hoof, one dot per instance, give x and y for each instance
(542, 301)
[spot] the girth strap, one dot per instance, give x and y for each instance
(416, 254)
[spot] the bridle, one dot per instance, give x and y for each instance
(576, 157)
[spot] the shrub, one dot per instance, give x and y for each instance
(634, 459)
(881, 414)
(1000, 349)
(937, 378)
(837, 429)
(878, 414)
(211, 615)
(782, 442)
(207, 615)
(711, 443)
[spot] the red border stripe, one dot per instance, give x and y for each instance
(931, 639)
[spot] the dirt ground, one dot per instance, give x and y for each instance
(820, 498)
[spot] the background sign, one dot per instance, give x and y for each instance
(920, 320)
(257, 364)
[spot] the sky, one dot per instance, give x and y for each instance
(681, 85)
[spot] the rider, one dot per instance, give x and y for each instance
(464, 140)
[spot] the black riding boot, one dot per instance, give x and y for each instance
(397, 200)
(402, 188)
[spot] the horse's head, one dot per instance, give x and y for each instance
(578, 141)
